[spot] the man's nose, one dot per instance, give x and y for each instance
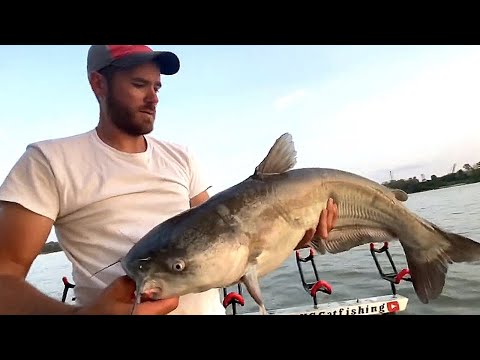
(152, 96)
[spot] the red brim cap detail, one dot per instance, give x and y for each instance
(119, 51)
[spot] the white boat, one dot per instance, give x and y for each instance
(376, 305)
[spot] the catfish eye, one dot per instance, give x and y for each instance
(178, 265)
(141, 262)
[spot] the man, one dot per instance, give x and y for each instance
(102, 190)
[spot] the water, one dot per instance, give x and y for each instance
(352, 274)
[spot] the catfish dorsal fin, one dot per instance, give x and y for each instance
(280, 158)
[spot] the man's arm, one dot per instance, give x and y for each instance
(23, 234)
(198, 182)
(27, 211)
(199, 199)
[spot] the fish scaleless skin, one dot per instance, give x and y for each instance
(250, 229)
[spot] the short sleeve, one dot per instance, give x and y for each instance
(198, 179)
(31, 183)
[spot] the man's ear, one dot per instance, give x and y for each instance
(98, 84)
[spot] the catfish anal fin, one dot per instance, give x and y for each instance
(345, 238)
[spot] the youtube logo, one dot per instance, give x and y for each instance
(393, 306)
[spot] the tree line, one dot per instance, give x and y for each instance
(467, 175)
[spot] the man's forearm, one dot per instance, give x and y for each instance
(19, 297)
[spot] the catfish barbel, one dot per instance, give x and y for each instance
(250, 229)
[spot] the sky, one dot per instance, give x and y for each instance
(411, 110)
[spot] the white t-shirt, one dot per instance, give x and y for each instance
(103, 200)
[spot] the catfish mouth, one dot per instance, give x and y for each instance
(151, 294)
(148, 291)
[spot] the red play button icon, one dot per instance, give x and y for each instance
(393, 306)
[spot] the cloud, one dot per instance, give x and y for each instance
(422, 123)
(289, 100)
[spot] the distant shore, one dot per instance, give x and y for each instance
(51, 247)
(414, 185)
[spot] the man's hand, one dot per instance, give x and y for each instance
(118, 299)
(327, 221)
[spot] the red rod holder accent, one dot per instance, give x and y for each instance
(233, 297)
(308, 258)
(321, 285)
(383, 248)
(401, 275)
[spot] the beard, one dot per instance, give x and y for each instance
(126, 119)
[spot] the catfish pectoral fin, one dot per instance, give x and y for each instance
(250, 280)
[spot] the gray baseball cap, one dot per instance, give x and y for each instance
(100, 56)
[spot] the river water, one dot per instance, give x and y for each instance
(351, 274)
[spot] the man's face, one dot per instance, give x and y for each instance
(132, 99)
